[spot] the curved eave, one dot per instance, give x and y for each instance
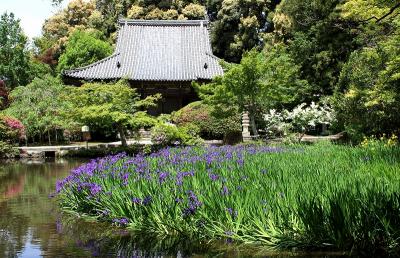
(107, 67)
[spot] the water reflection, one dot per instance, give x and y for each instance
(32, 226)
(27, 215)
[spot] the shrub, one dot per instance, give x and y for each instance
(304, 117)
(166, 134)
(11, 129)
(7, 150)
(210, 127)
(275, 124)
(300, 120)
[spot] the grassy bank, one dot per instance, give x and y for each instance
(322, 196)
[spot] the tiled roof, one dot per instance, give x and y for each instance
(157, 51)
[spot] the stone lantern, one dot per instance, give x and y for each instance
(86, 135)
(245, 127)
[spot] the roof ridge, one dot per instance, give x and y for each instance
(164, 22)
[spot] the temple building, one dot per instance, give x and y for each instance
(157, 57)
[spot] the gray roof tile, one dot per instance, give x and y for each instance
(157, 51)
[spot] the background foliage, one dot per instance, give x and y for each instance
(278, 53)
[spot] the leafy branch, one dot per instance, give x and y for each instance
(384, 16)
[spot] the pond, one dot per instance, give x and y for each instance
(31, 224)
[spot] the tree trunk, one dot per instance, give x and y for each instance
(48, 135)
(253, 125)
(301, 135)
(121, 131)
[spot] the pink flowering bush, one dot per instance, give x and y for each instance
(11, 129)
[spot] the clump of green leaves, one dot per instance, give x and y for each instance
(7, 150)
(368, 91)
(166, 134)
(82, 49)
(210, 126)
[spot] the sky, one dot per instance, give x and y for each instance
(32, 13)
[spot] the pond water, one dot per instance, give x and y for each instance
(31, 225)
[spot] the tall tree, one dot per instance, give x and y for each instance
(78, 15)
(283, 86)
(367, 95)
(319, 40)
(239, 26)
(14, 59)
(240, 88)
(261, 81)
(82, 49)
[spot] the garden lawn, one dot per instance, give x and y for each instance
(320, 196)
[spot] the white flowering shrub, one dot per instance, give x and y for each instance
(301, 119)
(304, 117)
(275, 124)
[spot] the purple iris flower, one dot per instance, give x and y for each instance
(147, 200)
(162, 177)
(225, 190)
(213, 177)
(95, 189)
(136, 200)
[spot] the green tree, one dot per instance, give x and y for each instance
(281, 79)
(238, 26)
(39, 106)
(239, 89)
(38, 69)
(82, 49)
(318, 39)
(115, 104)
(14, 64)
(78, 15)
(367, 93)
(111, 11)
(261, 81)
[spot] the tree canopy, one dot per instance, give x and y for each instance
(262, 80)
(14, 59)
(113, 104)
(82, 49)
(39, 106)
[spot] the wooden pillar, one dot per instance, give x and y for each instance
(180, 96)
